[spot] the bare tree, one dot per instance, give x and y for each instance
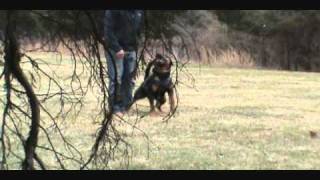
(79, 33)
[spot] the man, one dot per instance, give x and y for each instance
(122, 28)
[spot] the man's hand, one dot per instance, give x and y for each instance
(120, 54)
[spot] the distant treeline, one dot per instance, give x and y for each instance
(281, 39)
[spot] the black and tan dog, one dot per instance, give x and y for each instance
(156, 84)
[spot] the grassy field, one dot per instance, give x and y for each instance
(238, 119)
(233, 119)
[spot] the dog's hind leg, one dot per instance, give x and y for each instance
(139, 94)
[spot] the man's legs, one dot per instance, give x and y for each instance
(115, 74)
(128, 81)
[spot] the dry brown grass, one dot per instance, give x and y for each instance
(230, 57)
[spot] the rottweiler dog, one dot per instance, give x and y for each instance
(157, 84)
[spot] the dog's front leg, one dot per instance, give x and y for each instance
(151, 102)
(160, 102)
(171, 100)
(152, 107)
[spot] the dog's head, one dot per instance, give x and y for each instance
(162, 64)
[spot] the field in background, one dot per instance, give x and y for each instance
(233, 119)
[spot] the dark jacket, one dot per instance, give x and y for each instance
(122, 28)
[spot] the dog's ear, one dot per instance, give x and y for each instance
(170, 60)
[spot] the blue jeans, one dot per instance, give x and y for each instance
(125, 68)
